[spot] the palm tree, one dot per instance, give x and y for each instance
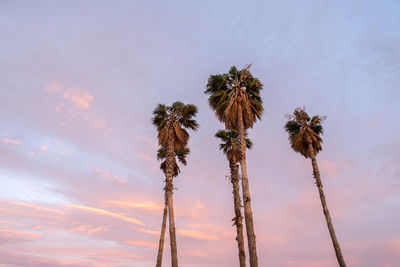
(161, 155)
(235, 98)
(304, 136)
(171, 123)
(229, 145)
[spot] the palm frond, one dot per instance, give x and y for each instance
(226, 91)
(302, 129)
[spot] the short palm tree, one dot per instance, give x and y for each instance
(230, 145)
(171, 123)
(161, 155)
(304, 136)
(235, 98)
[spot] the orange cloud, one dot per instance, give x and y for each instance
(127, 204)
(88, 229)
(53, 87)
(109, 176)
(147, 231)
(79, 97)
(106, 213)
(32, 206)
(139, 243)
(197, 235)
(10, 222)
(6, 232)
(10, 141)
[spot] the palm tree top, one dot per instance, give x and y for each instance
(228, 90)
(179, 112)
(302, 130)
(230, 145)
(177, 117)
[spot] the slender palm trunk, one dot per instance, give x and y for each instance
(169, 188)
(238, 214)
(332, 233)
(162, 235)
(248, 214)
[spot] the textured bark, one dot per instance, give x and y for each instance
(318, 181)
(238, 213)
(248, 214)
(169, 188)
(162, 235)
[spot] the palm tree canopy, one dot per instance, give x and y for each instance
(303, 129)
(177, 117)
(230, 143)
(180, 154)
(230, 89)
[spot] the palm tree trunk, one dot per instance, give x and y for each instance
(238, 214)
(162, 235)
(332, 233)
(248, 214)
(169, 188)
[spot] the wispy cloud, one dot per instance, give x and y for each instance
(6, 233)
(108, 175)
(107, 213)
(53, 87)
(198, 235)
(31, 206)
(79, 97)
(139, 243)
(10, 141)
(138, 205)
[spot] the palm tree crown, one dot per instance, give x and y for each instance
(229, 90)
(177, 118)
(230, 145)
(303, 130)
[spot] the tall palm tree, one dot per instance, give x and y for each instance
(235, 98)
(171, 123)
(304, 136)
(161, 155)
(229, 145)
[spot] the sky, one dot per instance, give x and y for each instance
(80, 181)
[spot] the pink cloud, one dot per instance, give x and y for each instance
(138, 205)
(10, 141)
(12, 236)
(331, 167)
(98, 124)
(89, 229)
(139, 243)
(10, 222)
(53, 87)
(148, 231)
(59, 106)
(79, 97)
(106, 213)
(146, 157)
(31, 206)
(198, 234)
(109, 176)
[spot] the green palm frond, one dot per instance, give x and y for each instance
(303, 129)
(230, 89)
(177, 117)
(230, 143)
